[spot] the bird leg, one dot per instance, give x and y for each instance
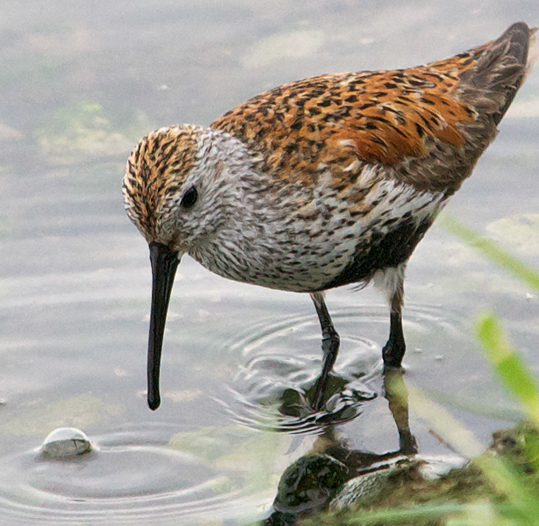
(394, 349)
(392, 282)
(330, 347)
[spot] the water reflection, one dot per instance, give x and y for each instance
(311, 483)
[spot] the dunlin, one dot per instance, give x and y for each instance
(320, 183)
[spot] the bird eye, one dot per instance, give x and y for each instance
(190, 198)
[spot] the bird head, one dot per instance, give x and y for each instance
(174, 195)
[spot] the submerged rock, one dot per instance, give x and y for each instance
(381, 478)
(404, 484)
(309, 483)
(66, 442)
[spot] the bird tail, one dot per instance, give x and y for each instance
(500, 69)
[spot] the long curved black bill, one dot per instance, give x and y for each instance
(164, 264)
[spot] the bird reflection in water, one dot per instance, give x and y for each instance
(312, 482)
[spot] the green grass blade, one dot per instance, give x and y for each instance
(492, 250)
(397, 516)
(503, 478)
(509, 366)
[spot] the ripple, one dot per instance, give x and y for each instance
(124, 479)
(280, 362)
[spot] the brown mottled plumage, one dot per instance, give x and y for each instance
(320, 183)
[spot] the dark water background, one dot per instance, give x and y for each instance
(80, 83)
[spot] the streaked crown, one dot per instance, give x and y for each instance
(155, 172)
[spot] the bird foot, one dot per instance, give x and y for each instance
(330, 347)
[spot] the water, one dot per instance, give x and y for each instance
(79, 85)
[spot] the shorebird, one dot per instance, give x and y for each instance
(320, 183)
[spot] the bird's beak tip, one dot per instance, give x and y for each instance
(154, 403)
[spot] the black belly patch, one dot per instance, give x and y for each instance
(383, 251)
